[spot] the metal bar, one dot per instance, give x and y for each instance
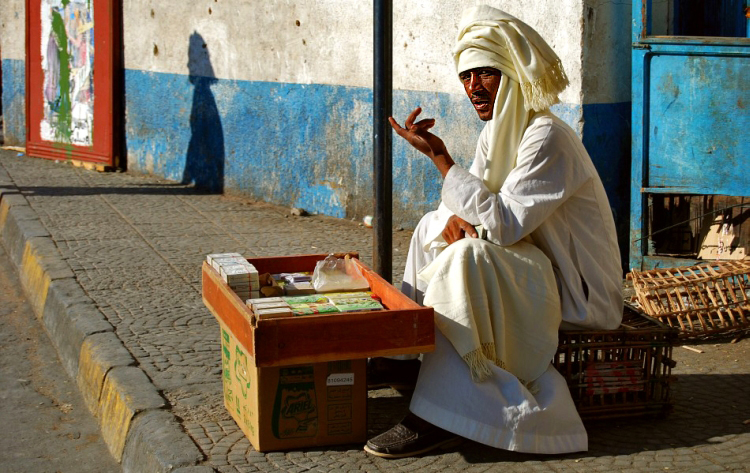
(638, 31)
(688, 44)
(382, 244)
(639, 176)
(694, 190)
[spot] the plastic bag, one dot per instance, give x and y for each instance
(338, 274)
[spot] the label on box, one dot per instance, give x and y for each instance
(340, 379)
(340, 428)
(295, 412)
(339, 412)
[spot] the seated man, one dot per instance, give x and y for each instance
(523, 242)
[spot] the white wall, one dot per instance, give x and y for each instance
(13, 29)
(261, 41)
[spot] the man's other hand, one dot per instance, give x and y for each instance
(456, 229)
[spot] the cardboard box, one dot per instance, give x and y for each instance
(287, 407)
(720, 242)
(297, 382)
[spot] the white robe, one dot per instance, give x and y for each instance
(554, 199)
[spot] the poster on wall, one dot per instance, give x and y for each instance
(68, 68)
(72, 84)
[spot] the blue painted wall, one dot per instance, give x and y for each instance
(14, 101)
(298, 145)
(606, 136)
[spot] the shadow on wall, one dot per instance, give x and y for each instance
(204, 163)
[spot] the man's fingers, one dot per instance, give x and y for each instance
(425, 124)
(397, 128)
(469, 229)
(412, 116)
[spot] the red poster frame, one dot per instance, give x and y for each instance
(106, 147)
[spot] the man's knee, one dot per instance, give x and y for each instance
(469, 246)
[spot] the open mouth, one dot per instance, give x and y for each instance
(481, 103)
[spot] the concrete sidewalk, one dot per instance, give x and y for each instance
(111, 265)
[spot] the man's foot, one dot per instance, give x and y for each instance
(398, 374)
(413, 436)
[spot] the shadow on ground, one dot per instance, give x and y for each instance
(707, 408)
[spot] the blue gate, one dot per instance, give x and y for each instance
(691, 128)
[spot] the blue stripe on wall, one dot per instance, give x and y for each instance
(14, 101)
(291, 144)
(607, 138)
(310, 146)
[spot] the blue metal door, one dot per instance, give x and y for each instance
(691, 125)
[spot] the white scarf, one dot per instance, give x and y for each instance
(497, 305)
(533, 77)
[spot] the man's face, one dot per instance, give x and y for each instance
(481, 86)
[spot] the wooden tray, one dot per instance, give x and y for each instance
(404, 327)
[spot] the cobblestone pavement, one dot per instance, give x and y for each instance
(136, 244)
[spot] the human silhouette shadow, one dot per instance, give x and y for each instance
(204, 163)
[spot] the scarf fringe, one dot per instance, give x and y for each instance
(542, 93)
(479, 365)
(531, 386)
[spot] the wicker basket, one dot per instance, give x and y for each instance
(701, 300)
(619, 373)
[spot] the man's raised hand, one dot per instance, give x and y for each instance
(418, 135)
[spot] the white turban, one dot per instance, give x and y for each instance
(533, 77)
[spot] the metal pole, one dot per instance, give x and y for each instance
(383, 168)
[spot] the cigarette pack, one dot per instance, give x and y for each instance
(274, 313)
(298, 288)
(357, 304)
(349, 295)
(294, 277)
(309, 309)
(210, 258)
(260, 304)
(270, 300)
(217, 263)
(311, 299)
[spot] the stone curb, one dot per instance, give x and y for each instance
(156, 440)
(139, 432)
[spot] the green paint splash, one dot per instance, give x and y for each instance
(64, 118)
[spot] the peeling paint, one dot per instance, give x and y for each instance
(14, 102)
(699, 144)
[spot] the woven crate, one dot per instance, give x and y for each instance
(618, 373)
(702, 300)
